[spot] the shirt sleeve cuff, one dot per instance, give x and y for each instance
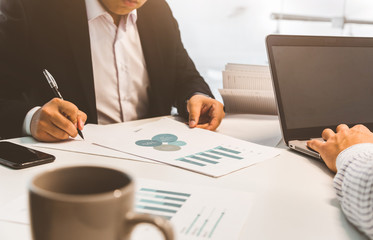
(26, 130)
(352, 151)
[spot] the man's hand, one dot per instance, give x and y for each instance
(57, 120)
(337, 142)
(205, 112)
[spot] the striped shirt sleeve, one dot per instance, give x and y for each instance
(354, 185)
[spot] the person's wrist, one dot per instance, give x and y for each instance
(26, 129)
(350, 152)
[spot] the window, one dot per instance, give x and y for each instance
(216, 32)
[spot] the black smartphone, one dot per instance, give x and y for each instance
(16, 156)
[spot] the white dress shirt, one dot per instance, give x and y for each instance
(120, 76)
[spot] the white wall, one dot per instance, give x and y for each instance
(216, 32)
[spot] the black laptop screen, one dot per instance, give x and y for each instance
(324, 86)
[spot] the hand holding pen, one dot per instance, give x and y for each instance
(58, 119)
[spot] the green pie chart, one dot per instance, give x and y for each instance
(148, 143)
(165, 138)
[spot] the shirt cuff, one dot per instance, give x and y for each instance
(352, 151)
(26, 129)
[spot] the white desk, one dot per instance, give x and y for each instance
(294, 194)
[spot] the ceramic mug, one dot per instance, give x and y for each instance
(86, 202)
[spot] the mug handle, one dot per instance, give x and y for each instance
(162, 224)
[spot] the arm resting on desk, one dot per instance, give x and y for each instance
(354, 185)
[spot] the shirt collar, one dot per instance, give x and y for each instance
(95, 9)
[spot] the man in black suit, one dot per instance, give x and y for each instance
(55, 35)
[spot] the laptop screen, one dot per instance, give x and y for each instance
(324, 85)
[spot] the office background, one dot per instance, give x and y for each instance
(219, 31)
(216, 32)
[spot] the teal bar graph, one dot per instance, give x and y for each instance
(161, 203)
(225, 154)
(162, 216)
(166, 192)
(166, 210)
(191, 162)
(228, 150)
(162, 197)
(203, 159)
(216, 224)
(194, 222)
(209, 156)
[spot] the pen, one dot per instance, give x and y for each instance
(57, 93)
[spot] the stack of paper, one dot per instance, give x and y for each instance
(248, 89)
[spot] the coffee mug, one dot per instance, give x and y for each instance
(86, 202)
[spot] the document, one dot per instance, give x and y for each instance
(194, 214)
(92, 132)
(250, 101)
(174, 143)
(248, 89)
(16, 211)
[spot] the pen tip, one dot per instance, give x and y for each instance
(80, 134)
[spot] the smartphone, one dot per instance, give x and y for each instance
(16, 156)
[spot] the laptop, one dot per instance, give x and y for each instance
(320, 82)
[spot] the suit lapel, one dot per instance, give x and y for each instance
(75, 18)
(150, 45)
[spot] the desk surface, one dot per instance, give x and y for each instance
(294, 199)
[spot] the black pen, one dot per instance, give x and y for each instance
(57, 93)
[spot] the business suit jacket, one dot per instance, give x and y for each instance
(53, 35)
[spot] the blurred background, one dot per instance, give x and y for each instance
(216, 32)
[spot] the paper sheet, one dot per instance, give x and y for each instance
(248, 89)
(247, 68)
(196, 213)
(91, 133)
(249, 101)
(174, 143)
(237, 80)
(218, 215)
(16, 211)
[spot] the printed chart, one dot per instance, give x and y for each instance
(171, 142)
(161, 203)
(195, 212)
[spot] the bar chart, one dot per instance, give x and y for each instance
(196, 213)
(161, 203)
(204, 224)
(212, 156)
(198, 150)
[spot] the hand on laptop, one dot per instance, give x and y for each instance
(335, 143)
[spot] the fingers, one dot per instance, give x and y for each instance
(203, 126)
(82, 118)
(327, 133)
(342, 127)
(64, 124)
(360, 128)
(194, 108)
(57, 120)
(207, 109)
(216, 116)
(68, 109)
(315, 145)
(44, 130)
